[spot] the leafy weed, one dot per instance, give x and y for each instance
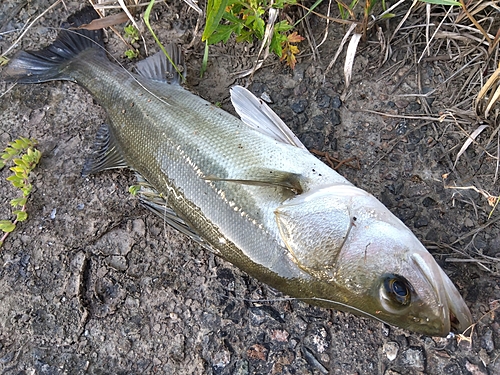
(24, 157)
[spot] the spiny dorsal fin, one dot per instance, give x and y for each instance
(159, 68)
(106, 154)
(257, 114)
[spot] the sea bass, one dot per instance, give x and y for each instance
(248, 189)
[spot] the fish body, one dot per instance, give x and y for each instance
(248, 190)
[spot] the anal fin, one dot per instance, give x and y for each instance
(106, 154)
(156, 203)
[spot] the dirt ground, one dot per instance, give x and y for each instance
(94, 283)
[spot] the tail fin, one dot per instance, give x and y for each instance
(48, 64)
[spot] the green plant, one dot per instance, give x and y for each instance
(134, 189)
(3, 60)
(25, 157)
(131, 54)
(132, 35)
(147, 14)
(246, 19)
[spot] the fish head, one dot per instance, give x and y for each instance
(365, 260)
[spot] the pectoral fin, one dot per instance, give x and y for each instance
(156, 203)
(285, 180)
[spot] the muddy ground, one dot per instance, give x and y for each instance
(94, 283)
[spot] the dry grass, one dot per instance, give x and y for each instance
(464, 45)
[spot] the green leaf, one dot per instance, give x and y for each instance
(215, 11)
(32, 156)
(131, 54)
(245, 36)
(232, 18)
(21, 163)
(20, 215)
(132, 33)
(7, 226)
(388, 15)
(36, 156)
(18, 170)
(26, 190)
(222, 33)
(3, 61)
(134, 189)
(21, 201)
(16, 181)
(204, 62)
(259, 26)
(282, 26)
(18, 144)
(276, 43)
(279, 4)
(249, 20)
(11, 152)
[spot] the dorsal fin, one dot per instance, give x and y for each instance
(159, 68)
(257, 114)
(106, 154)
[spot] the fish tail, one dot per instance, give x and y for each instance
(52, 62)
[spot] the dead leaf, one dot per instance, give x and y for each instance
(102, 23)
(349, 58)
(295, 38)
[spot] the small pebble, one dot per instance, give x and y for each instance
(414, 358)
(265, 97)
(257, 351)
(221, 359)
(391, 350)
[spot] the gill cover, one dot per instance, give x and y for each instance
(305, 223)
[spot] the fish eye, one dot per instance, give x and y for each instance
(397, 290)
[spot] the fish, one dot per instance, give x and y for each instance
(247, 189)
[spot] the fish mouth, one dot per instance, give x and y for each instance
(451, 308)
(459, 314)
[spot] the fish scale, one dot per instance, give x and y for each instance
(202, 146)
(248, 190)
